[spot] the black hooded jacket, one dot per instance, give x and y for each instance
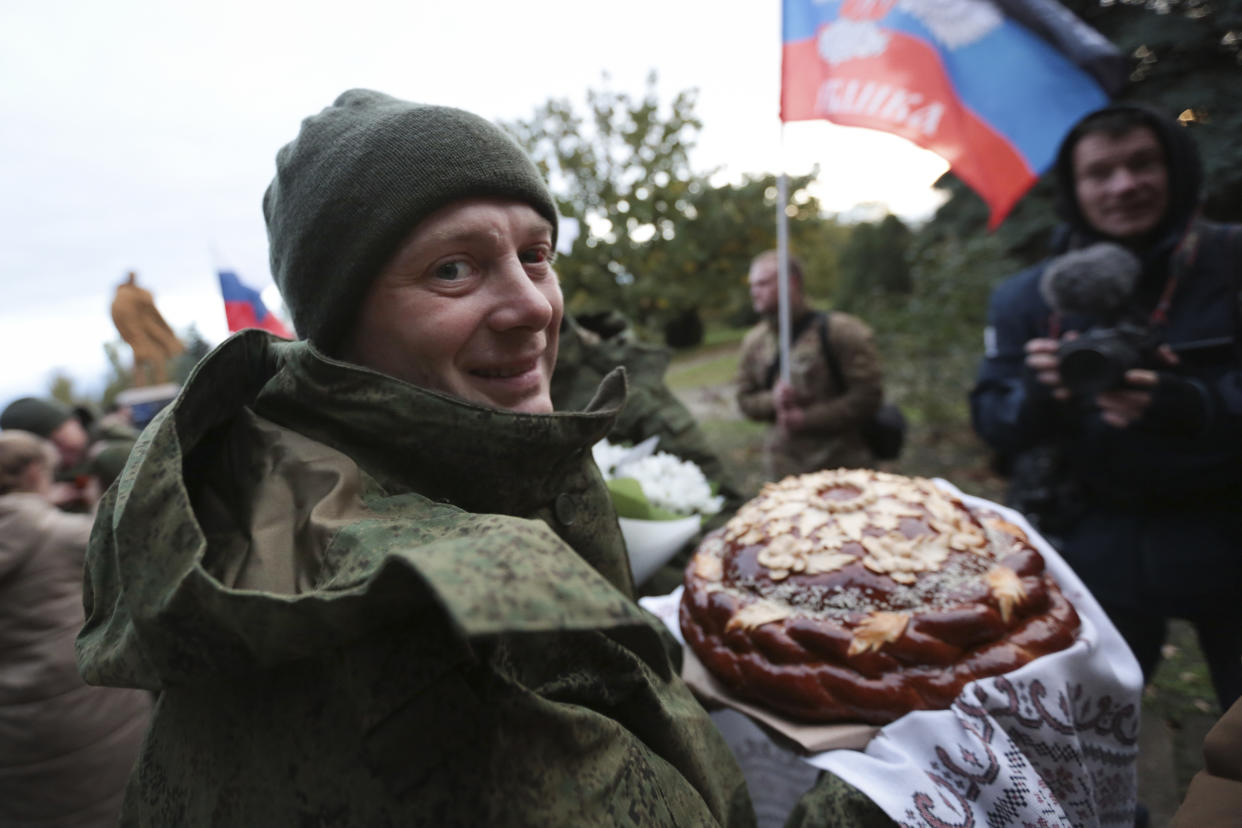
(1185, 176)
(1147, 465)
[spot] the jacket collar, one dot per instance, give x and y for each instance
(413, 439)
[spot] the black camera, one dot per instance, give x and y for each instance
(1098, 359)
(1098, 282)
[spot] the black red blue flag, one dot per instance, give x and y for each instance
(991, 87)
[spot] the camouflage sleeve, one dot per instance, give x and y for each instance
(754, 396)
(835, 802)
(852, 343)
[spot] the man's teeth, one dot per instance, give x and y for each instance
(501, 373)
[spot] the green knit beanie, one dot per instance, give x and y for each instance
(37, 416)
(358, 178)
(109, 461)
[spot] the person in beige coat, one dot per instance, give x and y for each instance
(819, 414)
(66, 749)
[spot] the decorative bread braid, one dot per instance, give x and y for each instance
(858, 595)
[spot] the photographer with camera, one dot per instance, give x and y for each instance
(1112, 381)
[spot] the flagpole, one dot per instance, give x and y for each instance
(782, 256)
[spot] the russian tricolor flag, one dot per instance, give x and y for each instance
(244, 307)
(962, 79)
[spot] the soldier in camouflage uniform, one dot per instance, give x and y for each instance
(593, 346)
(817, 423)
(590, 350)
(372, 578)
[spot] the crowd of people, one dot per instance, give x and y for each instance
(373, 577)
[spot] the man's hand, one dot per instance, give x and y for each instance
(1045, 366)
(1122, 406)
(789, 415)
(783, 395)
(64, 494)
(1160, 400)
(792, 420)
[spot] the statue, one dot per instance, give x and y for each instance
(144, 329)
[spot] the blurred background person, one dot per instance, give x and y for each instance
(66, 748)
(592, 346)
(820, 413)
(91, 450)
(53, 421)
(1139, 459)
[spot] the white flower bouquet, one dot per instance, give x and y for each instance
(660, 500)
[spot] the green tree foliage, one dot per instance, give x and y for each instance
(623, 172)
(1185, 59)
(658, 240)
(874, 260)
(735, 222)
(119, 377)
(61, 389)
(931, 338)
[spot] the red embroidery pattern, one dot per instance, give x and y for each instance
(1027, 759)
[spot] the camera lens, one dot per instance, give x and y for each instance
(1089, 371)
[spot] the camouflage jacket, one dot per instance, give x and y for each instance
(365, 603)
(650, 409)
(833, 415)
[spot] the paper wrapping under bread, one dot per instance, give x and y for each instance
(805, 738)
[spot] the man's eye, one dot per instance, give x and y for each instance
(536, 255)
(451, 271)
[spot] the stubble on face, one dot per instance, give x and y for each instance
(469, 306)
(763, 288)
(764, 282)
(1121, 182)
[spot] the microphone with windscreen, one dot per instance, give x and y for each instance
(1098, 282)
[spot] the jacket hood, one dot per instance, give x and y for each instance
(434, 502)
(1185, 176)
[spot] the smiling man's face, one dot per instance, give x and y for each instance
(469, 306)
(1122, 182)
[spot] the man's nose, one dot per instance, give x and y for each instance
(1122, 179)
(520, 301)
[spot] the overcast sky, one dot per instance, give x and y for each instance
(141, 135)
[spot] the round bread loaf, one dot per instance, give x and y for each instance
(855, 595)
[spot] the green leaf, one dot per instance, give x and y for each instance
(630, 502)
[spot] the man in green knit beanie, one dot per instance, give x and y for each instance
(89, 457)
(51, 420)
(373, 578)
